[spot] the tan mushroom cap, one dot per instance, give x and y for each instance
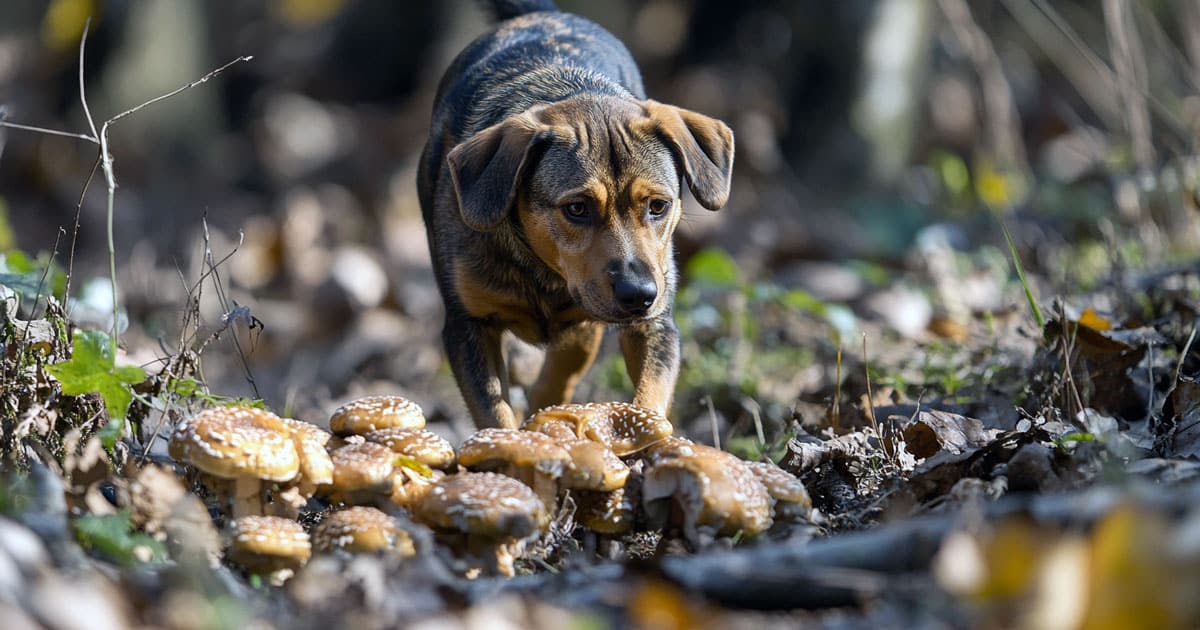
(263, 544)
(424, 446)
(488, 505)
(715, 490)
(372, 413)
(670, 447)
(593, 466)
(623, 427)
(363, 467)
(233, 442)
(609, 513)
(362, 529)
(781, 485)
(315, 464)
(524, 449)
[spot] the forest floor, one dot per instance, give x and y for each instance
(982, 463)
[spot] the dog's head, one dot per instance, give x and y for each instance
(595, 184)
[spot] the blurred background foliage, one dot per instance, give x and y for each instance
(879, 143)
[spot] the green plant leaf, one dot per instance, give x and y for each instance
(113, 536)
(714, 267)
(31, 278)
(91, 370)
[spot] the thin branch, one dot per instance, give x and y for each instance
(75, 232)
(82, 95)
(203, 79)
(49, 132)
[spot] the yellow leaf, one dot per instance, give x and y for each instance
(1094, 320)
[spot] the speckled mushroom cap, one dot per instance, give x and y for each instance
(623, 427)
(715, 490)
(232, 442)
(424, 446)
(362, 529)
(673, 446)
(563, 421)
(365, 466)
(524, 449)
(593, 466)
(488, 505)
(268, 543)
(627, 429)
(609, 513)
(372, 413)
(781, 485)
(310, 441)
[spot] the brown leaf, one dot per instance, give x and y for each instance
(932, 431)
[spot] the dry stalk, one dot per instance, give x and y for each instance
(1129, 62)
(1004, 130)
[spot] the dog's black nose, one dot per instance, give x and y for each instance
(634, 294)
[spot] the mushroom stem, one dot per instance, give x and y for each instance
(247, 497)
(546, 488)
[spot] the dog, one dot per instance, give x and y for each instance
(550, 188)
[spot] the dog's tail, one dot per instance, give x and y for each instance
(507, 9)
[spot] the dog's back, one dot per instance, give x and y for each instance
(537, 54)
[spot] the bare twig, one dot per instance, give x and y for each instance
(49, 132)
(870, 396)
(87, 113)
(105, 159)
(836, 412)
(1187, 347)
(712, 418)
(75, 229)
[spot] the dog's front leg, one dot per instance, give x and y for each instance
(473, 350)
(651, 350)
(567, 359)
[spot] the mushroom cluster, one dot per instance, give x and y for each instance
(619, 463)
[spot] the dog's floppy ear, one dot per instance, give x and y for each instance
(703, 146)
(488, 167)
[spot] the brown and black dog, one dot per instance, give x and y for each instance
(550, 189)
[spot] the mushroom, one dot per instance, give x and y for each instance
(611, 513)
(495, 514)
(593, 466)
(424, 446)
(623, 427)
(243, 446)
(705, 490)
(789, 497)
(533, 458)
(372, 413)
(362, 529)
(605, 516)
(269, 545)
(316, 467)
(362, 473)
(411, 481)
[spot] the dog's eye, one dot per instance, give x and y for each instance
(577, 211)
(659, 207)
